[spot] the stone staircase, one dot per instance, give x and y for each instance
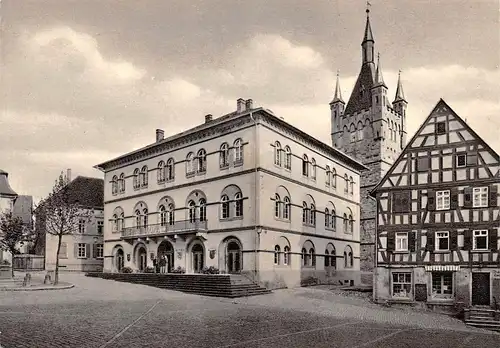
(482, 317)
(217, 285)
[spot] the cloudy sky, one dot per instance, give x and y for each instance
(85, 81)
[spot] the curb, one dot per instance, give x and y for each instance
(62, 287)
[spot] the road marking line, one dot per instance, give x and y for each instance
(467, 340)
(289, 334)
(369, 343)
(130, 325)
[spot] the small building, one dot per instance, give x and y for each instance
(7, 199)
(83, 249)
(438, 218)
(245, 193)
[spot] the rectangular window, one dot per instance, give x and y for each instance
(481, 240)
(442, 284)
(422, 164)
(99, 251)
(100, 227)
(443, 200)
(442, 241)
(401, 285)
(81, 226)
(440, 128)
(480, 197)
(402, 241)
(461, 160)
(82, 250)
(63, 251)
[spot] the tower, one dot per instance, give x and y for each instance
(373, 131)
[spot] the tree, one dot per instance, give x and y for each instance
(11, 233)
(60, 213)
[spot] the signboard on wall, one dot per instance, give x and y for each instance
(496, 274)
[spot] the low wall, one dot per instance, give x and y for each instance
(27, 262)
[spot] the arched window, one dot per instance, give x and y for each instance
(121, 182)
(330, 258)
(161, 172)
(345, 224)
(351, 185)
(203, 209)
(277, 251)
(346, 181)
(305, 213)
(327, 218)
(171, 214)
(312, 219)
(305, 257)
(114, 185)
(333, 221)
(277, 153)
(334, 178)
(224, 207)
(115, 223)
(328, 176)
(286, 208)
(136, 179)
(313, 168)
(238, 151)
(224, 155)
(238, 204)
(192, 211)
(201, 161)
(351, 224)
(305, 165)
(312, 257)
(348, 257)
(121, 222)
(327, 258)
(286, 255)
(288, 158)
(189, 163)
(145, 218)
(138, 218)
(277, 206)
(170, 169)
(144, 176)
(163, 215)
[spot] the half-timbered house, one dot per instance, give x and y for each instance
(438, 218)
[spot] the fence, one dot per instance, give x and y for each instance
(26, 262)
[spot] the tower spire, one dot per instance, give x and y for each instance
(338, 94)
(368, 42)
(400, 94)
(379, 79)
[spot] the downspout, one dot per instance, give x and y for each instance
(256, 192)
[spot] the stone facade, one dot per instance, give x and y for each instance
(372, 130)
(256, 161)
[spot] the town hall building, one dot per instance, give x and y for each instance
(245, 193)
(372, 130)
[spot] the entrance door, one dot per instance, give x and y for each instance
(143, 259)
(119, 260)
(197, 254)
(480, 289)
(167, 249)
(233, 258)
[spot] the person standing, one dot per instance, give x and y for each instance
(155, 264)
(163, 263)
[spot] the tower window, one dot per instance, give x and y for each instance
(440, 128)
(376, 99)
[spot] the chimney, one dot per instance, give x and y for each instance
(208, 118)
(249, 104)
(68, 174)
(240, 105)
(160, 134)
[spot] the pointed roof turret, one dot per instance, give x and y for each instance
(379, 79)
(5, 189)
(368, 28)
(400, 94)
(338, 94)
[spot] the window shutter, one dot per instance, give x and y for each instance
(87, 246)
(422, 164)
(454, 240)
(492, 239)
(493, 195)
(468, 240)
(468, 197)
(471, 159)
(75, 249)
(431, 200)
(430, 241)
(391, 243)
(94, 251)
(454, 198)
(412, 241)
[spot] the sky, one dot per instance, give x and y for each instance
(84, 81)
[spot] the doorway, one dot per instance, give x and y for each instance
(233, 257)
(142, 257)
(480, 289)
(120, 259)
(166, 248)
(198, 258)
